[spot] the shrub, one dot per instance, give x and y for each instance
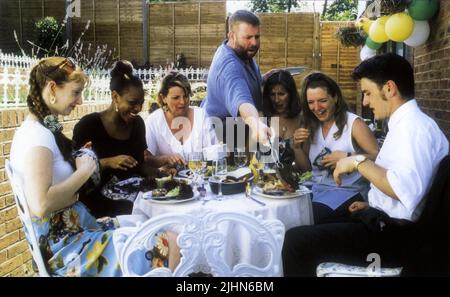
(48, 35)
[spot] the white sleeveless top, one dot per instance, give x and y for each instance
(325, 189)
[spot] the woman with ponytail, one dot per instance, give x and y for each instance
(117, 135)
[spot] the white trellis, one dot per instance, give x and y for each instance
(14, 75)
(12, 82)
(13, 61)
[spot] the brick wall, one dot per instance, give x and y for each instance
(15, 258)
(432, 70)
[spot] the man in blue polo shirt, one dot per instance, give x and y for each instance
(234, 79)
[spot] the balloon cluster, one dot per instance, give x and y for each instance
(412, 27)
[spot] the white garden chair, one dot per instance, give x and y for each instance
(25, 217)
(202, 239)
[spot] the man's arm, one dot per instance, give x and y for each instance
(372, 172)
(260, 131)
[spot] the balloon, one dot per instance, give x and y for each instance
(366, 53)
(399, 27)
(422, 10)
(376, 32)
(419, 35)
(364, 23)
(372, 44)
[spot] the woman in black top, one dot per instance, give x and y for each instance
(117, 135)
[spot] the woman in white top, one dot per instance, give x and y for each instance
(176, 128)
(331, 133)
(71, 241)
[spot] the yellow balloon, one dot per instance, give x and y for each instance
(399, 27)
(364, 23)
(376, 32)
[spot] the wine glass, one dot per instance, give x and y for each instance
(240, 159)
(195, 160)
(220, 171)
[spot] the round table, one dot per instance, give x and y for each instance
(291, 212)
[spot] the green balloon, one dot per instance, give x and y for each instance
(422, 10)
(372, 44)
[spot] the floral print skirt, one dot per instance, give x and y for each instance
(73, 243)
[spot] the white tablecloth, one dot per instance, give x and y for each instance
(292, 212)
(240, 247)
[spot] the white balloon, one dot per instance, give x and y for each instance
(419, 35)
(366, 53)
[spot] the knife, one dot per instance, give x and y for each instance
(256, 200)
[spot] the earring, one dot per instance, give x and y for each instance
(52, 100)
(117, 109)
(165, 108)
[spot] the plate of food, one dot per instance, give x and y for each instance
(186, 173)
(170, 191)
(278, 189)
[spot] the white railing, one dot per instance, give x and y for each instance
(13, 61)
(14, 75)
(193, 74)
(13, 86)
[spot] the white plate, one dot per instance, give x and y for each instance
(185, 179)
(167, 201)
(303, 190)
(185, 173)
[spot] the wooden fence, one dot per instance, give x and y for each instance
(338, 62)
(194, 29)
(299, 39)
(137, 31)
(21, 16)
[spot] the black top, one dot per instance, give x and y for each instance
(90, 128)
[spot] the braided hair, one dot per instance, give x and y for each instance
(55, 69)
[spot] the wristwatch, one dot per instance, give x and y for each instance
(358, 160)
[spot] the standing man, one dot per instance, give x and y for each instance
(400, 177)
(234, 79)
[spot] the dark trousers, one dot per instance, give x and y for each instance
(324, 214)
(349, 242)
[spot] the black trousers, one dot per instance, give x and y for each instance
(349, 242)
(324, 214)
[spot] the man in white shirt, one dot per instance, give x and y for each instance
(400, 177)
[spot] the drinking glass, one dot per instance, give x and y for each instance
(220, 172)
(195, 160)
(240, 159)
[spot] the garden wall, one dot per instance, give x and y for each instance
(432, 70)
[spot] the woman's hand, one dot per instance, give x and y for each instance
(167, 171)
(174, 159)
(87, 145)
(358, 205)
(121, 162)
(301, 135)
(330, 160)
(85, 164)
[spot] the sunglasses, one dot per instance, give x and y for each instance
(318, 159)
(70, 62)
